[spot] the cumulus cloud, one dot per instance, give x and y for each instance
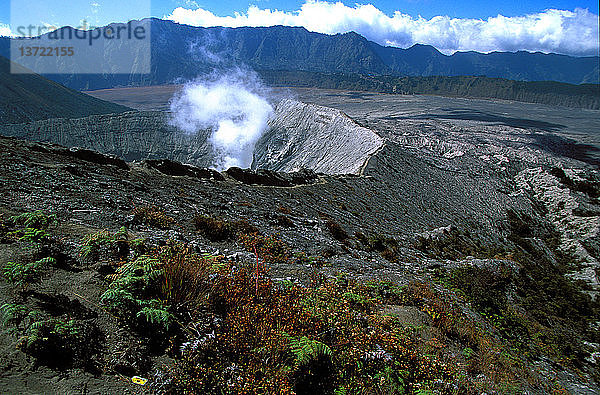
(5, 30)
(560, 31)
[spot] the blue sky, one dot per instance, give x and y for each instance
(122, 10)
(425, 8)
(561, 26)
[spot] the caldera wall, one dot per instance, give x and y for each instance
(314, 137)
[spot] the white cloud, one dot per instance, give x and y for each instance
(190, 3)
(5, 30)
(560, 31)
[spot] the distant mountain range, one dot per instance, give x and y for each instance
(542, 92)
(30, 97)
(181, 52)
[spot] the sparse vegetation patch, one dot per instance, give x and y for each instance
(218, 229)
(152, 216)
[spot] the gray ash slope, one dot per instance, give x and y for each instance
(429, 173)
(404, 198)
(318, 138)
(25, 96)
(417, 181)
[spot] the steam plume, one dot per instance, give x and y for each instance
(233, 106)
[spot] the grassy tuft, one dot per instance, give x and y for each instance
(218, 229)
(152, 216)
(336, 230)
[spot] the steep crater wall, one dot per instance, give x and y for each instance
(300, 136)
(133, 136)
(314, 137)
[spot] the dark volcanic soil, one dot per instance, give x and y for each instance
(445, 190)
(401, 199)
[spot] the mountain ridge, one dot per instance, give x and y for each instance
(183, 52)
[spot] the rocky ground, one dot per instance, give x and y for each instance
(426, 202)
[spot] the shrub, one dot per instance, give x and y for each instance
(538, 309)
(386, 246)
(494, 359)
(155, 288)
(306, 340)
(152, 216)
(284, 210)
(217, 229)
(185, 273)
(390, 255)
(241, 333)
(244, 227)
(454, 245)
(214, 229)
(284, 221)
(485, 288)
(270, 248)
(336, 230)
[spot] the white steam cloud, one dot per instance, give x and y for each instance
(560, 31)
(233, 106)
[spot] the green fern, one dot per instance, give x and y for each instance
(45, 334)
(145, 265)
(91, 244)
(12, 312)
(340, 391)
(23, 274)
(114, 243)
(121, 234)
(64, 328)
(117, 298)
(286, 284)
(35, 219)
(128, 291)
(391, 380)
(10, 271)
(32, 236)
(33, 334)
(35, 226)
(32, 317)
(306, 350)
(47, 261)
(156, 316)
